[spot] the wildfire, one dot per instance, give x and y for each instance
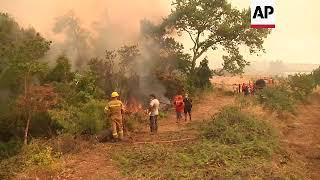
(133, 106)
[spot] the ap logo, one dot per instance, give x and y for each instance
(263, 14)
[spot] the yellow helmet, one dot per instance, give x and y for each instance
(114, 94)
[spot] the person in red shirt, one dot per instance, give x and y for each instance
(179, 105)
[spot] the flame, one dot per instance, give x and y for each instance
(133, 106)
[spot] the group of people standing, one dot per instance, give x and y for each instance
(181, 104)
(115, 110)
(246, 89)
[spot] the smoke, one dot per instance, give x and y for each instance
(149, 84)
(117, 25)
(86, 29)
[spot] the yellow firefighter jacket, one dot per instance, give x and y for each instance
(115, 109)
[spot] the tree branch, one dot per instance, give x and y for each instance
(190, 34)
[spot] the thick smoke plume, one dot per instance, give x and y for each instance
(86, 29)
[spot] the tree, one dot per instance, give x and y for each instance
(170, 64)
(21, 52)
(103, 69)
(37, 99)
(77, 38)
(116, 71)
(61, 72)
(9, 32)
(301, 85)
(166, 51)
(204, 74)
(211, 24)
(316, 75)
(127, 78)
(127, 55)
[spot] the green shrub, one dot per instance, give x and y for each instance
(277, 99)
(231, 126)
(10, 148)
(244, 101)
(84, 118)
(283, 97)
(228, 93)
(234, 146)
(316, 76)
(301, 85)
(37, 154)
(135, 122)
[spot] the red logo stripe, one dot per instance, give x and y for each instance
(261, 26)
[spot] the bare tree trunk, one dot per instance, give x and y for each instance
(193, 64)
(27, 112)
(27, 129)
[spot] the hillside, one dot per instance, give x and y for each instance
(298, 138)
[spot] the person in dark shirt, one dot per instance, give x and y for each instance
(187, 107)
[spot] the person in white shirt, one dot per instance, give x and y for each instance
(154, 112)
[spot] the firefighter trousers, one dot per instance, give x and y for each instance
(117, 128)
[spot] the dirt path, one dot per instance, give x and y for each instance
(95, 163)
(303, 135)
(210, 104)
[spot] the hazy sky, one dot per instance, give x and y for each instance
(296, 37)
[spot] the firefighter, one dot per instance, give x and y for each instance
(115, 110)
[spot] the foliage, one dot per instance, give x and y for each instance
(301, 85)
(316, 75)
(85, 87)
(77, 38)
(86, 117)
(61, 72)
(35, 100)
(36, 154)
(203, 75)
(283, 97)
(21, 51)
(174, 82)
(41, 98)
(10, 125)
(10, 148)
(116, 72)
(171, 65)
(277, 99)
(135, 122)
(221, 154)
(244, 101)
(211, 24)
(231, 126)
